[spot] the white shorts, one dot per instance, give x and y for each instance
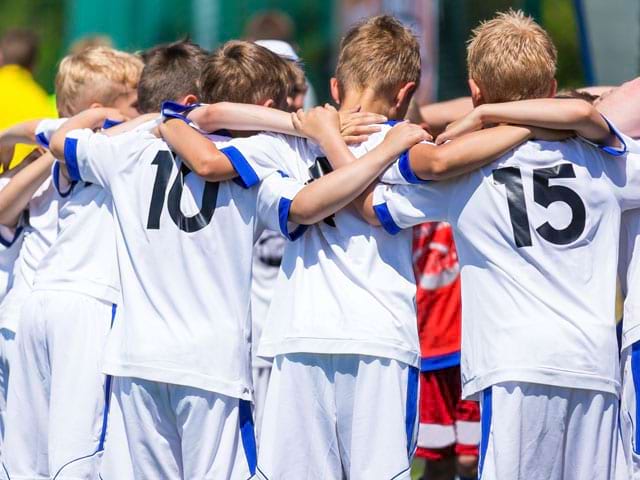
(542, 432)
(57, 415)
(261, 377)
(630, 410)
(176, 431)
(339, 416)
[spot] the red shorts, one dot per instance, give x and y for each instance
(448, 425)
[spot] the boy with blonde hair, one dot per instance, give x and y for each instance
(546, 362)
(58, 399)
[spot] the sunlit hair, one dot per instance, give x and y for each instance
(95, 75)
(511, 57)
(378, 53)
(244, 72)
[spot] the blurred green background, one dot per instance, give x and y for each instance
(139, 24)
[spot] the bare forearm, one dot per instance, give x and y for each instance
(91, 118)
(465, 154)
(198, 152)
(556, 114)
(130, 124)
(15, 197)
(336, 190)
(24, 132)
(243, 117)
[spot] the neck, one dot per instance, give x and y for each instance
(368, 102)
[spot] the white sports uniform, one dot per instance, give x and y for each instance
(523, 225)
(341, 302)
(629, 275)
(76, 288)
(267, 258)
(182, 342)
(39, 232)
(10, 244)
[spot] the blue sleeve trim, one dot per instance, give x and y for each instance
(391, 123)
(248, 176)
(108, 123)
(171, 109)
(284, 206)
(428, 364)
(386, 220)
(71, 158)
(616, 152)
(406, 171)
(8, 243)
(485, 426)
(42, 140)
(635, 374)
(56, 181)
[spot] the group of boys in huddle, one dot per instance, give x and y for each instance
(127, 331)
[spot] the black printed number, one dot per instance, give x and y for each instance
(164, 162)
(543, 194)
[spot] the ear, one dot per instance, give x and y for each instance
(96, 105)
(268, 103)
(404, 94)
(554, 88)
(335, 91)
(476, 93)
(189, 99)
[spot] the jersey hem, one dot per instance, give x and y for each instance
(630, 336)
(338, 346)
(543, 376)
(99, 292)
(187, 379)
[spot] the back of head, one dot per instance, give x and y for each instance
(96, 75)
(244, 72)
(270, 25)
(379, 53)
(511, 57)
(19, 47)
(171, 72)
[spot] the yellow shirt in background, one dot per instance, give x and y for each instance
(21, 98)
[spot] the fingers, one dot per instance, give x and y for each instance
(295, 119)
(364, 118)
(360, 130)
(355, 140)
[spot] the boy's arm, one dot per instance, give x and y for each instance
(355, 125)
(557, 114)
(430, 162)
(15, 197)
(331, 192)
(91, 118)
(23, 132)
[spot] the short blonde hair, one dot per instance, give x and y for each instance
(511, 57)
(95, 75)
(379, 53)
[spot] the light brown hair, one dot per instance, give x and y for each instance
(511, 57)
(244, 72)
(95, 75)
(378, 53)
(170, 72)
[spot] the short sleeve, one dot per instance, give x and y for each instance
(90, 157)
(46, 129)
(401, 173)
(275, 195)
(257, 157)
(403, 206)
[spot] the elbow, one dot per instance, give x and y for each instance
(584, 111)
(206, 166)
(56, 145)
(436, 169)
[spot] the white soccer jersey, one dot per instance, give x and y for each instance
(10, 244)
(185, 252)
(629, 269)
(537, 235)
(343, 286)
(83, 257)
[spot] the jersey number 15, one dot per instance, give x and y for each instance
(543, 194)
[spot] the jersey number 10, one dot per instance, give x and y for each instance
(164, 161)
(543, 194)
